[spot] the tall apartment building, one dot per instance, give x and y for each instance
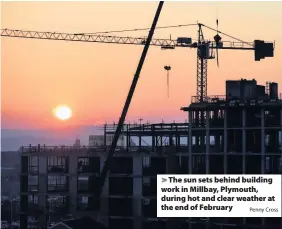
(54, 182)
(58, 181)
(239, 133)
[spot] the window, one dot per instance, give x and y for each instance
(57, 204)
(33, 206)
(149, 208)
(149, 187)
(153, 166)
(147, 181)
(87, 203)
(120, 207)
(146, 161)
(154, 225)
(82, 162)
(88, 165)
(33, 199)
(33, 183)
(121, 186)
(122, 165)
(57, 164)
(33, 164)
(87, 183)
(57, 183)
(120, 223)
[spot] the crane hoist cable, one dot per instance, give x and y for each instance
(225, 34)
(167, 68)
(140, 29)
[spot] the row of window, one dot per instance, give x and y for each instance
(88, 184)
(181, 224)
(120, 165)
(60, 164)
(123, 207)
(157, 165)
(85, 183)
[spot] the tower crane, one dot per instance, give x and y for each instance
(205, 50)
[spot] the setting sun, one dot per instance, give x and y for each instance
(63, 112)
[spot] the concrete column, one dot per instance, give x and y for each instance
(262, 140)
(127, 142)
(140, 142)
(73, 182)
(153, 140)
(207, 152)
(172, 166)
(190, 142)
(137, 191)
(42, 181)
(43, 178)
(244, 140)
(43, 186)
(244, 148)
(225, 141)
(207, 142)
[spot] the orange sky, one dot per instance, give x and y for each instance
(93, 79)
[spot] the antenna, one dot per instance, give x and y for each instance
(217, 45)
(216, 10)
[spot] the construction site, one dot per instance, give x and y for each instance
(236, 133)
(241, 135)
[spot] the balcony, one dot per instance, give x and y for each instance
(57, 169)
(57, 205)
(87, 203)
(58, 164)
(88, 165)
(58, 183)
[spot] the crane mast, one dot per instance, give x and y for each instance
(202, 65)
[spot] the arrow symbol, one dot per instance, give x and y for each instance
(164, 180)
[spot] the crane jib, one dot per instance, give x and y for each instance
(164, 43)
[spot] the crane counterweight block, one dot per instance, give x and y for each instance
(263, 49)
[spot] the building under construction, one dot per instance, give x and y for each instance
(239, 133)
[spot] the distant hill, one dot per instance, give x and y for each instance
(12, 140)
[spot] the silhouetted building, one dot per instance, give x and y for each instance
(239, 133)
(10, 169)
(77, 143)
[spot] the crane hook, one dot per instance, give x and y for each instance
(167, 68)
